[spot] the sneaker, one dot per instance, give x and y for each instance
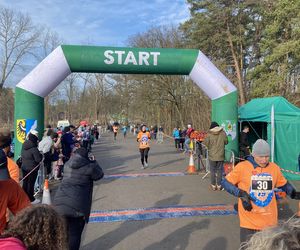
(36, 201)
(213, 187)
(220, 188)
(146, 164)
(142, 167)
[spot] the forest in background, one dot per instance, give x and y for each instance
(256, 44)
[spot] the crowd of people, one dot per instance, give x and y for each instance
(65, 155)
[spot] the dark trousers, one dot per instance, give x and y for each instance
(177, 143)
(28, 183)
(144, 154)
(216, 168)
(246, 234)
(244, 152)
(75, 227)
(48, 162)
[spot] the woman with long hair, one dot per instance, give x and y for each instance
(37, 227)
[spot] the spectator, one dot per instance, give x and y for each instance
(67, 143)
(283, 237)
(73, 198)
(31, 158)
(244, 142)
(187, 137)
(176, 136)
(37, 227)
(45, 146)
(254, 181)
(12, 195)
(215, 143)
(5, 142)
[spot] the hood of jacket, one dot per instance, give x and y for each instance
(29, 144)
(216, 130)
(77, 161)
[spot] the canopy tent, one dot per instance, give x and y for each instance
(283, 129)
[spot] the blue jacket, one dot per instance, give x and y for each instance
(176, 134)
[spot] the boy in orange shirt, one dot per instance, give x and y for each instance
(253, 181)
(143, 138)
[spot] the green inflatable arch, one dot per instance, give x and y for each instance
(65, 59)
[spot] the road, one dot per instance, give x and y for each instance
(153, 198)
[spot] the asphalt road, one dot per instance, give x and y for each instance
(192, 232)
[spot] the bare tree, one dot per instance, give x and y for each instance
(18, 37)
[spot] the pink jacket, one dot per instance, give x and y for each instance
(11, 243)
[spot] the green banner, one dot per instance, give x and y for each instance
(129, 60)
(29, 114)
(225, 112)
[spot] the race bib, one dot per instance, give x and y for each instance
(144, 140)
(261, 191)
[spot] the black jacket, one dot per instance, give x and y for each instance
(31, 156)
(244, 143)
(74, 195)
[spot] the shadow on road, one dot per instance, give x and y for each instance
(217, 243)
(179, 239)
(111, 239)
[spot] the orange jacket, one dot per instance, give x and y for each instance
(13, 197)
(13, 170)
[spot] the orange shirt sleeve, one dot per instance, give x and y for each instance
(281, 180)
(13, 169)
(234, 177)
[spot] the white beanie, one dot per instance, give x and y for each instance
(261, 148)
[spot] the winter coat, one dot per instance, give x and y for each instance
(215, 142)
(74, 195)
(67, 143)
(31, 156)
(176, 134)
(12, 243)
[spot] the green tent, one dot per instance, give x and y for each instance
(283, 125)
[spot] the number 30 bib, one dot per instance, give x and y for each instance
(261, 190)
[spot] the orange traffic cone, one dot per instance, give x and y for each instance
(46, 194)
(191, 169)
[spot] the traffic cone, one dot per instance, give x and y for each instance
(191, 169)
(46, 194)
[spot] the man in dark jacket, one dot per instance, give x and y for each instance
(67, 143)
(31, 157)
(73, 198)
(215, 143)
(244, 143)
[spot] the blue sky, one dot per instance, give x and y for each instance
(101, 22)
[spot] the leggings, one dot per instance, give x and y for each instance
(144, 155)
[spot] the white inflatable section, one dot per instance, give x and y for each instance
(47, 75)
(210, 79)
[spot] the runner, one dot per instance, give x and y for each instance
(144, 138)
(115, 130)
(253, 181)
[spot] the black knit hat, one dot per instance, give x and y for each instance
(82, 152)
(213, 125)
(5, 138)
(33, 138)
(4, 175)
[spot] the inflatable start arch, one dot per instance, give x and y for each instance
(65, 59)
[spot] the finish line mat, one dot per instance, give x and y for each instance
(127, 176)
(161, 213)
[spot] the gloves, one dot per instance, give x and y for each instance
(295, 195)
(246, 200)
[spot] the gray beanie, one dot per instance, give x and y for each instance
(261, 148)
